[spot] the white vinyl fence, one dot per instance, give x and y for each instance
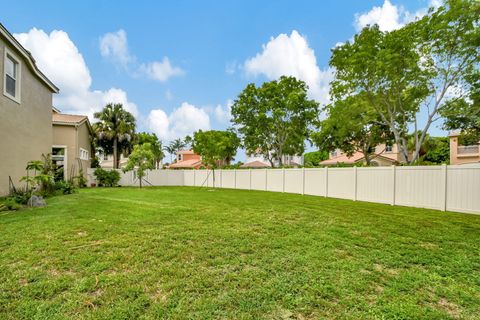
(452, 188)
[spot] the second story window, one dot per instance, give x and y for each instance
(84, 154)
(388, 148)
(11, 87)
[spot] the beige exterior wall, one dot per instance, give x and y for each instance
(25, 127)
(461, 158)
(73, 138)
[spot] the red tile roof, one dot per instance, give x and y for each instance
(255, 164)
(194, 163)
(67, 118)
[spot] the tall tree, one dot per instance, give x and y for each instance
(114, 130)
(275, 118)
(155, 144)
(141, 159)
(417, 69)
(351, 125)
(215, 147)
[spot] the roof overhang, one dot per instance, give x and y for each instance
(28, 57)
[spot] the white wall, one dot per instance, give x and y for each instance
(453, 188)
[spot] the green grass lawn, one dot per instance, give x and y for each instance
(192, 253)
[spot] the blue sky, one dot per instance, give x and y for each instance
(177, 64)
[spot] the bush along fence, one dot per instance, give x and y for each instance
(452, 188)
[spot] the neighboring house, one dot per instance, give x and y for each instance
(25, 110)
(463, 154)
(106, 160)
(71, 146)
(257, 160)
(187, 159)
(383, 155)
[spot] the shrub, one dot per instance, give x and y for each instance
(21, 195)
(106, 178)
(10, 204)
(64, 187)
(80, 180)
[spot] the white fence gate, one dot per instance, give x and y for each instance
(452, 188)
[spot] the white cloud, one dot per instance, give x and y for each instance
(161, 70)
(114, 45)
(223, 112)
(291, 56)
(181, 122)
(390, 17)
(58, 57)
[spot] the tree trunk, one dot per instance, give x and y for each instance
(115, 155)
(140, 179)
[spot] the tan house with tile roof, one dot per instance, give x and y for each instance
(25, 111)
(383, 155)
(71, 146)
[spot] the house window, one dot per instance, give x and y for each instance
(179, 158)
(333, 154)
(11, 86)
(388, 148)
(84, 154)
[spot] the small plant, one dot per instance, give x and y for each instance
(65, 187)
(21, 195)
(80, 180)
(106, 178)
(10, 204)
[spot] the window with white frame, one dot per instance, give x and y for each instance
(11, 84)
(84, 154)
(388, 148)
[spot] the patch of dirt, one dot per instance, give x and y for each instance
(451, 308)
(383, 269)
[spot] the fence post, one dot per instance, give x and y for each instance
(394, 182)
(235, 178)
(303, 181)
(283, 179)
(250, 177)
(326, 182)
(355, 184)
(266, 179)
(445, 186)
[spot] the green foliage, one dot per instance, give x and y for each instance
(107, 178)
(437, 151)
(21, 195)
(80, 179)
(115, 130)
(95, 162)
(42, 179)
(65, 187)
(351, 125)
(313, 159)
(275, 118)
(411, 69)
(155, 144)
(216, 147)
(10, 204)
(141, 159)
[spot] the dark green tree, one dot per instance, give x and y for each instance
(275, 118)
(115, 130)
(155, 144)
(215, 147)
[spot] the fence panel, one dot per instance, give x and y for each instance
(463, 186)
(275, 180)
(294, 181)
(189, 177)
(420, 187)
(315, 181)
(243, 179)
(228, 179)
(341, 183)
(259, 179)
(375, 184)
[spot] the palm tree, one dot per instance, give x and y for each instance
(178, 144)
(115, 130)
(171, 150)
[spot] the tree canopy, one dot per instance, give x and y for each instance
(115, 130)
(420, 68)
(275, 118)
(156, 146)
(141, 159)
(216, 147)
